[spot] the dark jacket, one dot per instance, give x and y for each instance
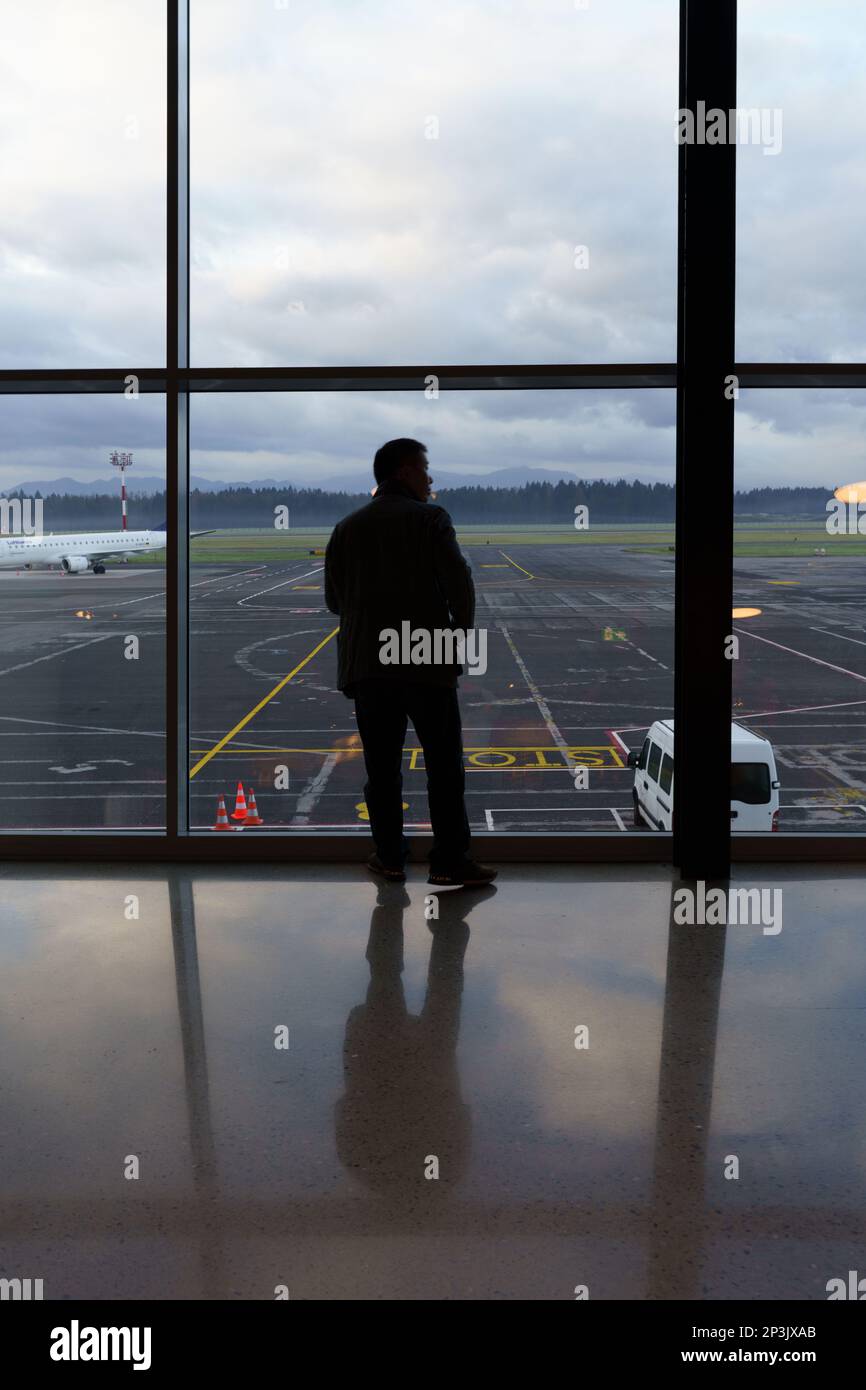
(395, 560)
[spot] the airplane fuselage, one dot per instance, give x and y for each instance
(78, 551)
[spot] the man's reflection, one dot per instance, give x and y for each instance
(402, 1104)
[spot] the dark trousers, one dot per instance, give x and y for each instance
(383, 708)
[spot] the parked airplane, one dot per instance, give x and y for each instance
(79, 552)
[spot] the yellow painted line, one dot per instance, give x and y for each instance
(307, 588)
(783, 581)
(259, 752)
(218, 747)
(516, 566)
(515, 757)
(494, 567)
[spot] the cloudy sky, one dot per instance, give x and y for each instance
(396, 182)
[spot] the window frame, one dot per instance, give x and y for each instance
(701, 845)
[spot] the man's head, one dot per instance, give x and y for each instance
(404, 461)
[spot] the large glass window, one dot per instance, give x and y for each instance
(83, 171)
(564, 506)
(799, 673)
(486, 194)
(396, 182)
(800, 180)
(82, 675)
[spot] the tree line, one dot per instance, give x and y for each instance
(541, 503)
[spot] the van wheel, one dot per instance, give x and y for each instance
(638, 818)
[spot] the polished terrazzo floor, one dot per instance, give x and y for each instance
(431, 1130)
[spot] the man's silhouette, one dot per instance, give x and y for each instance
(397, 561)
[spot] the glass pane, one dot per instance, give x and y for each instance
(800, 179)
(564, 506)
(407, 183)
(82, 677)
(83, 168)
(799, 673)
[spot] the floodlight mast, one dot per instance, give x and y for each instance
(121, 461)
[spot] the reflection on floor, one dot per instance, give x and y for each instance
(246, 1085)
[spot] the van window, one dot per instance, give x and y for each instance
(750, 782)
(641, 762)
(666, 776)
(655, 757)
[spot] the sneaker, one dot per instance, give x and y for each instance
(469, 874)
(393, 873)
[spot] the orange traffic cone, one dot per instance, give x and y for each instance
(222, 820)
(253, 817)
(240, 811)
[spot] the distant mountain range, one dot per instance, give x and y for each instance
(145, 484)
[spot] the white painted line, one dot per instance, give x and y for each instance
(798, 709)
(241, 602)
(48, 726)
(216, 577)
(541, 703)
(828, 633)
(623, 747)
(64, 651)
(648, 657)
(488, 816)
(805, 655)
(555, 810)
(617, 817)
(308, 798)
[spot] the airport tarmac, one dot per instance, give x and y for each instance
(580, 661)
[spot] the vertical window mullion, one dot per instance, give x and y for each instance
(177, 419)
(705, 453)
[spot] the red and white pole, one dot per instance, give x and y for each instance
(121, 461)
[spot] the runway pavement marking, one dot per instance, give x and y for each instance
(648, 657)
(516, 566)
(534, 758)
(805, 655)
(612, 734)
(126, 602)
(800, 709)
(551, 811)
(828, 633)
(541, 703)
(241, 749)
(282, 584)
(47, 729)
(254, 569)
(64, 651)
(617, 817)
(308, 798)
(218, 747)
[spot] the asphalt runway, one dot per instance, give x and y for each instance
(580, 661)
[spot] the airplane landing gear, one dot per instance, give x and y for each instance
(99, 569)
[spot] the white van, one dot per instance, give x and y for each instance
(754, 780)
